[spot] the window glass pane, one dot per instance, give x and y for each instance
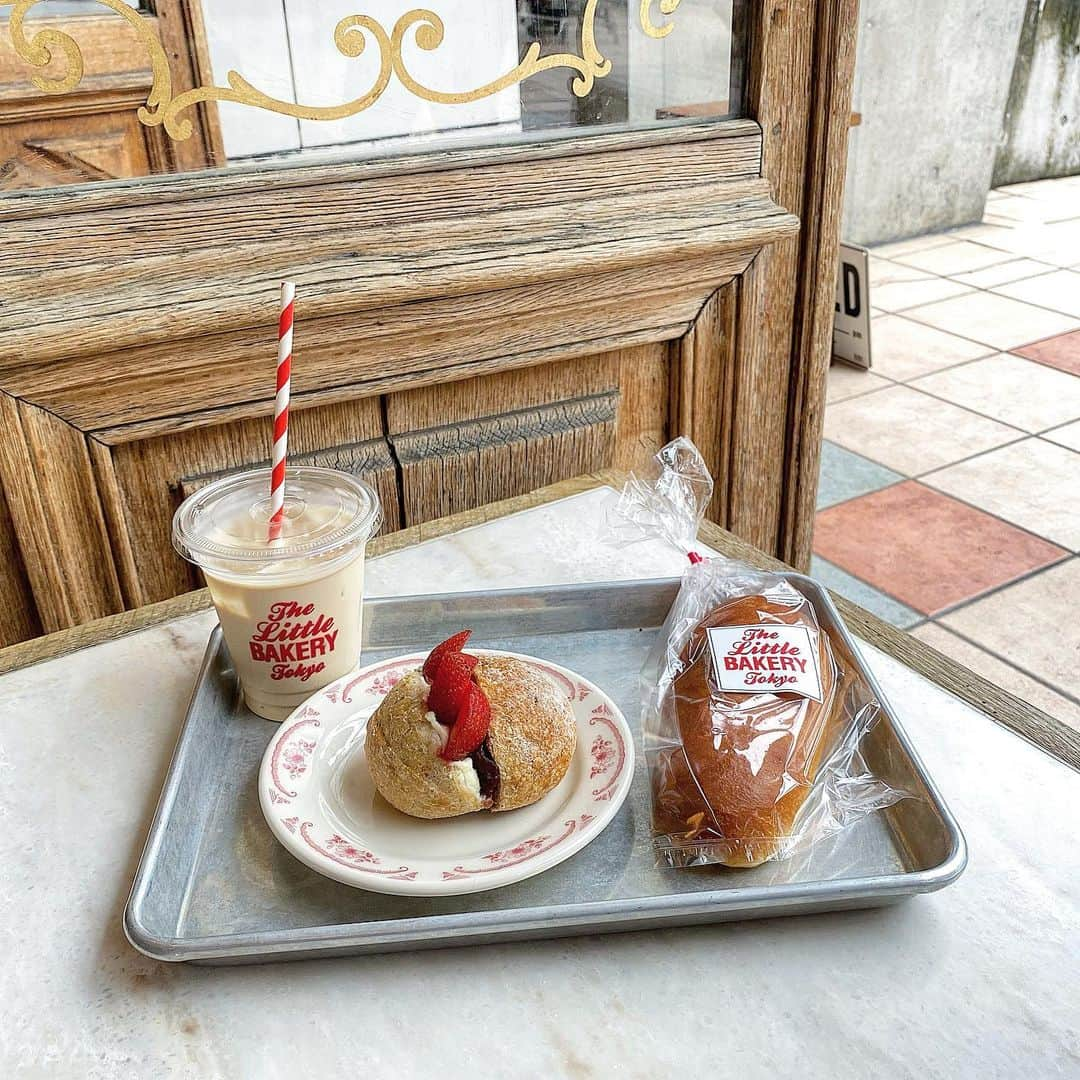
(170, 86)
(48, 8)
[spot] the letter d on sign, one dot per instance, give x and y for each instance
(851, 324)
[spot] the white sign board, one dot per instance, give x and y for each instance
(851, 330)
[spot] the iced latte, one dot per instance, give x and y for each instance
(290, 608)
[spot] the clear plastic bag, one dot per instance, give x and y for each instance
(753, 714)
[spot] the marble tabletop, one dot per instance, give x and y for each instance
(979, 980)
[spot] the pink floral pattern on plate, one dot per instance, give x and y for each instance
(295, 759)
(343, 852)
(378, 680)
(519, 853)
(292, 754)
(608, 751)
(602, 753)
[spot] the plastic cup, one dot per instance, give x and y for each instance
(290, 609)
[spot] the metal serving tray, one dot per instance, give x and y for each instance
(214, 886)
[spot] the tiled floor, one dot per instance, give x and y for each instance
(950, 483)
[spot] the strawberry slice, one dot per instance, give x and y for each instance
(453, 677)
(451, 645)
(473, 722)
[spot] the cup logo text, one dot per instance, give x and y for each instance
(291, 638)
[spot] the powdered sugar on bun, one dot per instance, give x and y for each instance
(533, 734)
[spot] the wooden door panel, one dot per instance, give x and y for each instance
(644, 419)
(18, 615)
(703, 392)
(489, 395)
(448, 469)
(56, 510)
(471, 442)
(114, 61)
(47, 153)
(144, 482)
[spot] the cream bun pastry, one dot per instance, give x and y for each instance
(466, 733)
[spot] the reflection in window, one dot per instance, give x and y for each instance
(688, 74)
(288, 54)
(52, 8)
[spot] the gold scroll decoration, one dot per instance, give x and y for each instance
(351, 36)
(667, 7)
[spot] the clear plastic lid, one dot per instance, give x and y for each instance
(227, 523)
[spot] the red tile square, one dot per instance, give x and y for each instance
(926, 549)
(1062, 352)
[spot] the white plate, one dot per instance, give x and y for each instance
(319, 800)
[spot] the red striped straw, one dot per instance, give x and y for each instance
(281, 410)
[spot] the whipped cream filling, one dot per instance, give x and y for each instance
(442, 732)
(464, 772)
(466, 776)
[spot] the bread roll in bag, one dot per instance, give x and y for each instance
(743, 774)
(740, 765)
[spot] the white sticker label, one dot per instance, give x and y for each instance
(766, 659)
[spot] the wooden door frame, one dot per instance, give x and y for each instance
(715, 264)
(182, 30)
(802, 65)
